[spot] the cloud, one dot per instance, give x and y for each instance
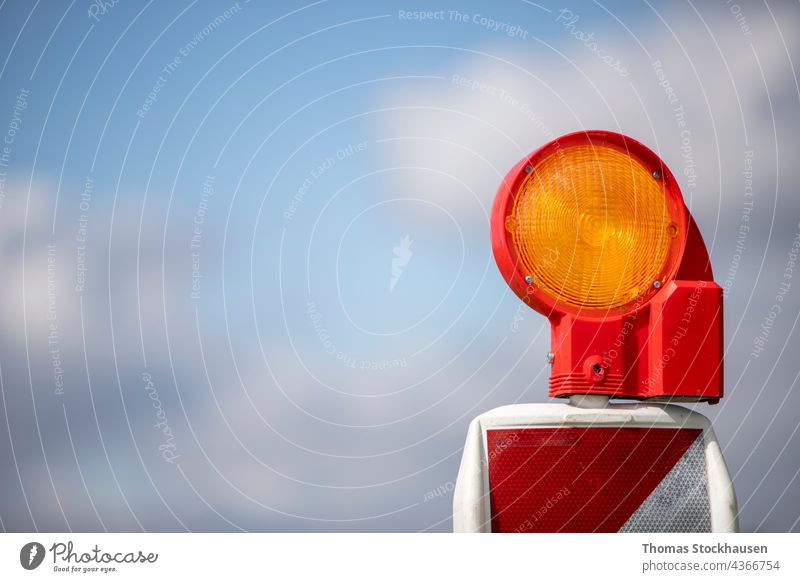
(694, 93)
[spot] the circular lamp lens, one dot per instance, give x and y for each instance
(591, 227)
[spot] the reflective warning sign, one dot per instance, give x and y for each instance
(604, 479)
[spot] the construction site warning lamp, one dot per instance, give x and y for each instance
(591, 230)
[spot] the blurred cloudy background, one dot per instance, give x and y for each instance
(246, 273)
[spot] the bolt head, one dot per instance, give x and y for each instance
(528, 279)
(550, 357)
(656, 284)
(528, 169)
(656, 174)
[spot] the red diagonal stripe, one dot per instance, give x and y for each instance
(577, 479)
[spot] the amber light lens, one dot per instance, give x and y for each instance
(592, 228)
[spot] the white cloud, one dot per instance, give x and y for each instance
(494, 108)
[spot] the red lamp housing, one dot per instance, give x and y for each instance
(591, 230)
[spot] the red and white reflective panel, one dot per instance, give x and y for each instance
(582, 479)
(619, 467)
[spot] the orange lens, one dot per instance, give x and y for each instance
(591, 227)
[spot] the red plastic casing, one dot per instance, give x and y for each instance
(666, 345)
